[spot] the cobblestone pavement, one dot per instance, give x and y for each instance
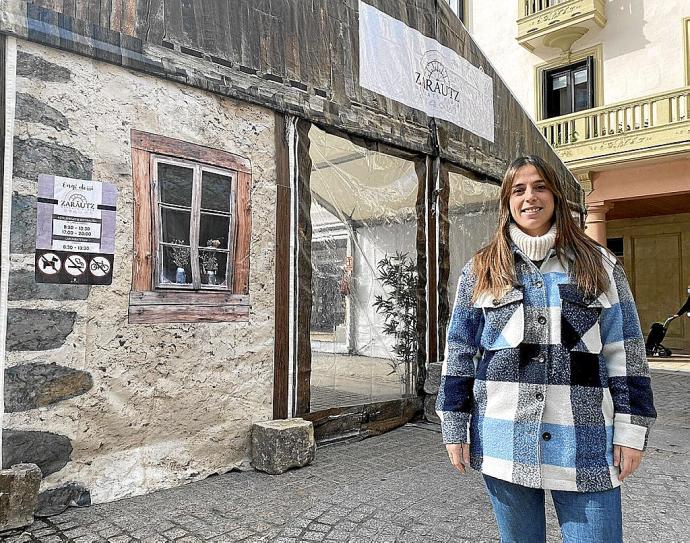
(396, 487)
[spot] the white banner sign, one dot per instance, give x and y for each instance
(401, 63)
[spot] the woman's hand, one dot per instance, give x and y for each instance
(627, 459)
(459, 454)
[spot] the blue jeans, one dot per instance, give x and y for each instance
(584, 517)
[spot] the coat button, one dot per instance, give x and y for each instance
(546, 436)
(495, 302)
(540, 396)
(541, 319)
(539, 284)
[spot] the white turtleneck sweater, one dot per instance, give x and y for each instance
(534, 247)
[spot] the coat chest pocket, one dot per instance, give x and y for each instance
(504, 320)
(580, 319)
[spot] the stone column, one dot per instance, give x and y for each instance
(595, 226)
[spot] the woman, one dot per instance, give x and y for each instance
(545, 368)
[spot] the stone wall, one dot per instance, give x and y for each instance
(105, 408)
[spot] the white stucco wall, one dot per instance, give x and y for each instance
(643, 47)
(169, 403)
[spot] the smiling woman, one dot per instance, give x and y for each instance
(544, 346)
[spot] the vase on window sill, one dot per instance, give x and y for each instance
(211, 275)
(180, 276)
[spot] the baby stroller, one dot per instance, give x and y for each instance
(658, 330)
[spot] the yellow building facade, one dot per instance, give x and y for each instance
(608, 84)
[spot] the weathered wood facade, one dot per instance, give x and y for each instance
(293, 56)
(281, 67)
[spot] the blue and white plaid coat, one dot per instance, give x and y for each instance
(545, 379)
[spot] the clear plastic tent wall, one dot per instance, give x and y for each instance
(471, 221)
(363, 252)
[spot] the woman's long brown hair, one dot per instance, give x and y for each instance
(494, 265)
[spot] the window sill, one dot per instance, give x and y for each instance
(180, 307)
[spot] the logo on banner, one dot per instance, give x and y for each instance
(434, 79)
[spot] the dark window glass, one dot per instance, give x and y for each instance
(569, 89)
(176, 184)
(615, 245)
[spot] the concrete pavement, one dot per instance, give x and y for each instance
(397, 487)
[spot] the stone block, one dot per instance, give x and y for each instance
(279, 445)
(29, 386)
(33, 157)
(37, 329)
(32, 110)
(56, 500)
(35, 67)
(430, 409)
(23, 223)
(50, 452)
(433, 378)
(18, 495)
(23, 286)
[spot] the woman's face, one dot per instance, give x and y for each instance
(531, 201)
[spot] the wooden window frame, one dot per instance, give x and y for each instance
(152, 303)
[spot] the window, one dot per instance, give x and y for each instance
(192, 226)
(195, 220)
(616, 246)
(458, 6)
(568, 89)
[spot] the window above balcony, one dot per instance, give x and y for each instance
(558, 23)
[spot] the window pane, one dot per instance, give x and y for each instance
(580, 76)
(559, 82)
(582, 98)
(215, 191)
(558, 101)
(174, 226)
(176, 268)
(176, 184)
(213, 231)
(213, 266)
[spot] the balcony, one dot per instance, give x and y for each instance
(649, 127)
(558, 23)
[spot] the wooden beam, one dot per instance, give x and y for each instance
(304, 294)
(162, 145)
(142, 272)
(433, 165)
(243, 233)
(176, 297)
(360, 421)
(422, 167)
(281, 344)
(164, 314)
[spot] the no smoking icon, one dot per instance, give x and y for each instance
(99, 266)
(75, 265)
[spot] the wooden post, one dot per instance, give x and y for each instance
(304, 289)
(434, 167)
(443, 257)
(418, 374)
(281, 345)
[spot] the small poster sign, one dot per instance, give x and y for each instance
(75, 231)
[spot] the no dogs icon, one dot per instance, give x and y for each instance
(49, 263)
